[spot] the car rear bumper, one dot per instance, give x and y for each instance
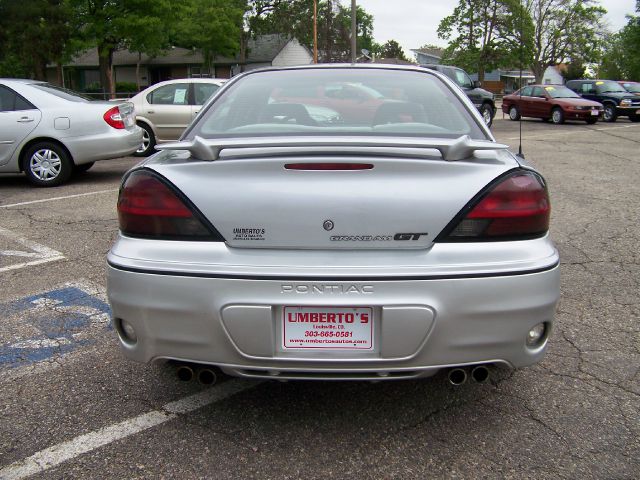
(421, 324)
(111, 144)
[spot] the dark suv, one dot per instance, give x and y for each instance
(615, 99)
(482, 99)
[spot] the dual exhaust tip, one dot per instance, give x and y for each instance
(479, 374)
(208, 376)
(205, 376)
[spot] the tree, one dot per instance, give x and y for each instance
(621, 56)
(33, 34)
(484, 34)
(111, 24)
(212, 26)
(295, 18)
(392, 49)
(148, 27)
(575, 70)
(564, 31)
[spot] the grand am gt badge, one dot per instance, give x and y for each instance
(401, 237)
(240, 233)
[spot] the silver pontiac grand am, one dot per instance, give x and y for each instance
(335, 222)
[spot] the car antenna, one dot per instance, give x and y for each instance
(520, 154)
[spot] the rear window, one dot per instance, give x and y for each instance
(61, 92)
(337, 101)
(607, 86)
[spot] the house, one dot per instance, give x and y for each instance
(392, 61)
(501, 81)
(428, 55)
(554, 75)
(82, 72)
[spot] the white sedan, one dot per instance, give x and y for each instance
(47, 131)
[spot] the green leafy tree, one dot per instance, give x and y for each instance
(295, 18)
(113, 24)
(33, 34)
(564, 31)
(575, 70)
(392, 49)
(212, 26)
(485, 34)
(621, 55)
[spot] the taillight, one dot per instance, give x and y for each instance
(149, 207)
(114, 118)
(514, 209)
(328, 166)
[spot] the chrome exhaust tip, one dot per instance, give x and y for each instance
(480, 374)
(206, 376)
(457, 376)
(184, 373)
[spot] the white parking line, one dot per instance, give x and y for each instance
(572, 132)
(57, 454)
(39, 253)
(58, 198)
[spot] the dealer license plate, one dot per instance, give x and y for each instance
(595, 113)
(345, 328)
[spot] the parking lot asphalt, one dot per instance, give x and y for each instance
(72, 407)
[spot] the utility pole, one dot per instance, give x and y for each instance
(354, 31)
(315, 31)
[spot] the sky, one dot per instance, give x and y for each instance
(413, 23)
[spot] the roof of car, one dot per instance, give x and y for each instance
(20, 80)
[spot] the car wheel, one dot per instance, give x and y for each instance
(83, 167)
(592, 121)
(47, 164)
(610, 114)
(148, 141)
(557, 116)
(514, 113)
(486, 111)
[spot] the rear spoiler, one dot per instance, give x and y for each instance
(460, 148)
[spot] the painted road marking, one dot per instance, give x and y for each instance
(573, 132)
(38, 253)
(58, 323)
(62, 452)
(31, 202)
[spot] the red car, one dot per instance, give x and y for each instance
(551, 102)
(631, 87)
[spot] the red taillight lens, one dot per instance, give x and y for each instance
(114, 118)
(148, 207)
(516, 208)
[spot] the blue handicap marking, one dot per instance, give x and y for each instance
(56, 323)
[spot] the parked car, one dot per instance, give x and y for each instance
(47, 131)
(272, 247)
(631, 87)
(165, 109)
(550, 102)
(615, 99)
(353, 103)
(481, 98)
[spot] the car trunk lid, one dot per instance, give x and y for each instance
(400, 201)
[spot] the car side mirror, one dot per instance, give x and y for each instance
(477, 84)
